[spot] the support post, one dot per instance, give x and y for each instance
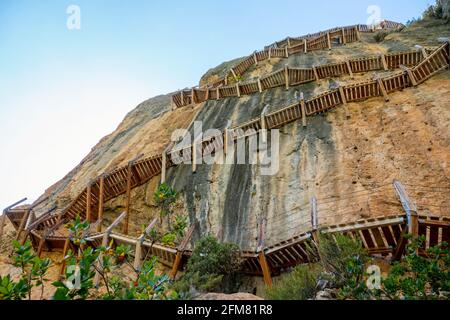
(343, 36)
(89, 202)
(193, 100)
(105, 241)
(22, 224)
(64, 253)
(101, 200)
(329, 41)
(182, 98)
(2, 224)
(316, 75)
(303, 109)
(410, 75)
(234, 73)
(128, 199)
(270, 53)
(286, 52)
(358, 35)
(412, 221)
(286, 76)
(180, 251)
(305, 45)
(138, 253)
(255, 58)
(218, 94)
(265, 269)
(238, 90)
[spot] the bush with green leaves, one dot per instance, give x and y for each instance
(32, 274)
(165, 197)
(107, 262)
(211, 267)
(299, 284)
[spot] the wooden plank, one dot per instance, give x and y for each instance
(101, 201)
(127, 199)
(286, 76)
(382, 88)
(410, 75)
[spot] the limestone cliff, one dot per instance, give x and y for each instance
(407, 138)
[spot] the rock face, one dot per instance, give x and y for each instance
(348, 164)
(234, 296)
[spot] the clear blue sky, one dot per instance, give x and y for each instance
(62, 90)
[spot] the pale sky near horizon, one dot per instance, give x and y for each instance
(62, 90)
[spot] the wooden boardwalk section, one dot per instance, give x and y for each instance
(380, 236)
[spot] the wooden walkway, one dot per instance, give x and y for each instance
(319, 41)
(89, 203)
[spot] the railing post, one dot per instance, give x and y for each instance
(286, 76)
(128, 199)
(180, 251)
(286, 52)
(316, 75)
(138, 252)
(305, 45)
(422, 49)
(303, 109)
(270, 53)
(264, 124)
(256, 58)
(89, 202)
(238, 91)
(329, 41)
(193, 100)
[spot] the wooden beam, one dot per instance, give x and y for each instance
(238, 90)
(234, 73)
(264, 123)
(193, 100)
(127, 200)
(255, 58)
(265, 269)
(286, 52)
(101, 200)
(303, 109)
(305, 45)
(89, 202)
(270, 53)
(329, 41)
(343, 36)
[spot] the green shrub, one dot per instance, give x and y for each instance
(300, 284)
(212, 266)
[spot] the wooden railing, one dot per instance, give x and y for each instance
(122, 180)
(289, 77)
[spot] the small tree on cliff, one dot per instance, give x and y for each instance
(165, 197)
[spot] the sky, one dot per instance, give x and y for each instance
(64, 85)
